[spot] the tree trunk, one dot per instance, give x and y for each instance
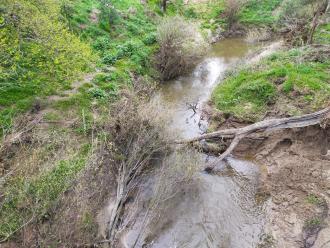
(236, 134)
(321, 10)
(164, 5)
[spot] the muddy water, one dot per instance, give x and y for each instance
(176, 96)
(220, 209)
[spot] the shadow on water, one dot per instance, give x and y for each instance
(196, 88)
(219, 209)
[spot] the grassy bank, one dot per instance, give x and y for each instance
(257, 13)
(84, 34)
(39, 56)
(75, 123)
(46, 55)
(286, 83)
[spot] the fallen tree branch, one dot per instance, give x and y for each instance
(238, 134)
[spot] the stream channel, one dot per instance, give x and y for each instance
(220, 210)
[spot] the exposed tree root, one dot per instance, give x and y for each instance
(236, 134)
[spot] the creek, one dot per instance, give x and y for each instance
(220, 210)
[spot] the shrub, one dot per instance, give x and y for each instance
(232, 8)
(181, 46)
(300, 17)
(109, 58)
(97, 93)
(102, 43)
(150, 39)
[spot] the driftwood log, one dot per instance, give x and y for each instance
(237, 134)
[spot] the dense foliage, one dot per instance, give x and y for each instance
(38, 54)
(46, 46)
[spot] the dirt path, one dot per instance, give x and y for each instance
(74, 88)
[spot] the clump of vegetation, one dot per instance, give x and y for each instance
(296, 78)
(266, 241)
(134, 143)
(38, 55)
(232, 8)
(313, 223)
(322, 34)
(313, 199)
(301, 18)
(181, 46)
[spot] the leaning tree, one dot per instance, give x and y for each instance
(301, 17)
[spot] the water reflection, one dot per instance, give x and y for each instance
(196, 87)
(219, 210)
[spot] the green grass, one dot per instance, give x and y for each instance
(259, 12)
(128, 35)
(313, 223)
(322, 35)
(313, 199)
(208, 13)
(125, 46)
(125, 43)
(38, 56)
(251, 92)
(27, 198)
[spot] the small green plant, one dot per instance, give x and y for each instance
(267, 241)
(313, 223)
(97, 93)
(150, 39)
(87, 222)
(313, 199)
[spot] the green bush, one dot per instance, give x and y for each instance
(150, 39)
(97, 93)
(102, 43)
(181, 46)
(109, 58)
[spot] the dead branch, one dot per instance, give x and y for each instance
(236, 134)
(192, 106)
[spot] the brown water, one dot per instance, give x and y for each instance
(196, 88)
(219, 209)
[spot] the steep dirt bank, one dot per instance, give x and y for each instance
(295, 164)
(296, 169)
(295, 184)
